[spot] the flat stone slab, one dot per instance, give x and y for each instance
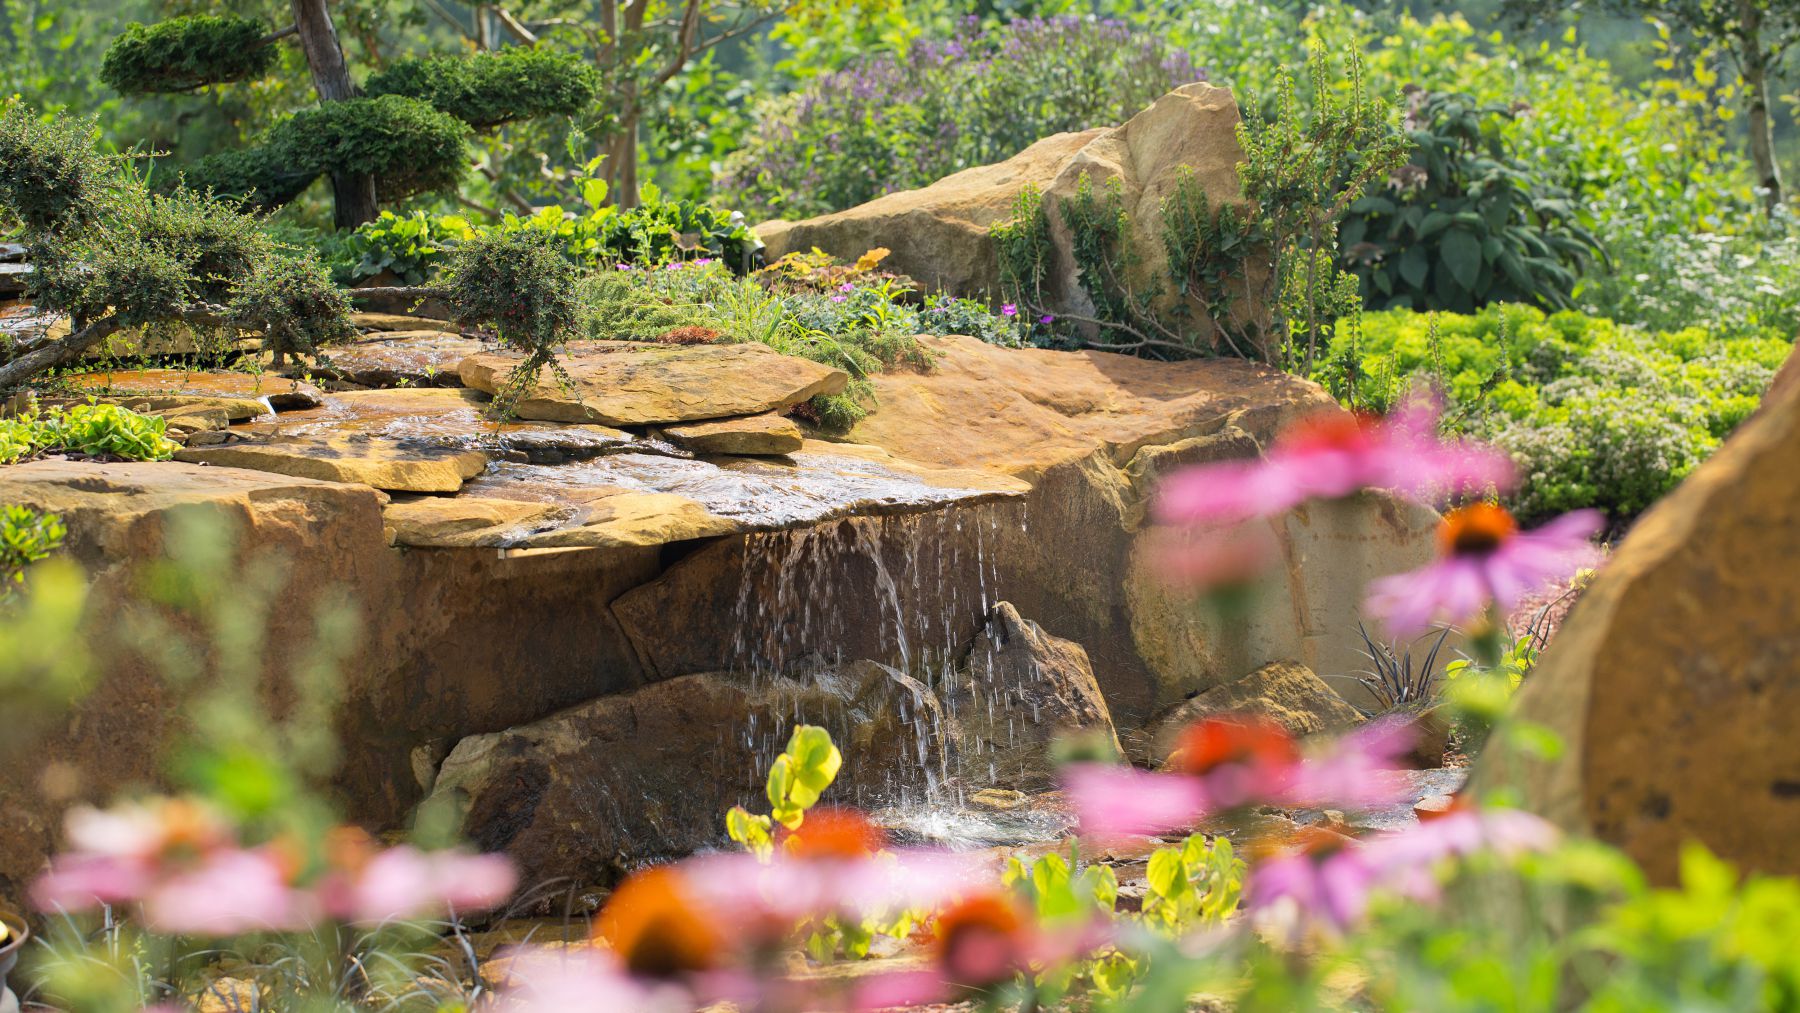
(449, 417)
(394, 322)
(753, 435)
(235, 409)
(397, 358)
(649, 499)
(628, 383)
(280, 393)
(388, 465)
(461, 521)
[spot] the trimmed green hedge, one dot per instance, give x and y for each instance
(1596, 413)
(187, 52)
(488, 89)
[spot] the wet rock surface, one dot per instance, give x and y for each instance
(278, 393)
(1284, 692)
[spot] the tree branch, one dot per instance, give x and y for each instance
(68, 349)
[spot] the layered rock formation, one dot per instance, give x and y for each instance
(1674, 681)
(588, 559)
(940, 234)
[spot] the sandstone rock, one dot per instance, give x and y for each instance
(1090, 432)
(461, 521)
(1018, 689)
(595, 790)
(1675, 678)
(235, 409)
(1284, 692)
(622, 383)
(232, 995)
(939, 234)
(400, 357)
(447, 417)
(455, 665)
(753, 435)
(280, 393)
(656, 498)
(391, 466)
(1431, 738)
(370, 321)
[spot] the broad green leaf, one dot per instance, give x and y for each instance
(1461, 251)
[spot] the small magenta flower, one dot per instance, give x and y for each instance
(1047, 319)
(1009, 310)
(1483, 560)
(622, 266)
(847, 287)
(840, 297)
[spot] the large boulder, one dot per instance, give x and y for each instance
(1675, 680)
(940, 234)
(1018, 689)
(1091, 433)
(600, 788)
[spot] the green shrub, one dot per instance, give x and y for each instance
(408, 146)
(519, 283)
(491, 88)
(1463, 223)
(259, 177)
(185, 53)
(1596, 413)
(51, 176)
(410, 247)
(293, 304)
(94, 430)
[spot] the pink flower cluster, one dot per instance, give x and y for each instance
(182, 863)
(1484, 561)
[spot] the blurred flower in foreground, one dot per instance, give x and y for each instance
(1326, 878)
(1332, 455)
(580, 980)
(183, 863)
(1221, 764)
(1483, 560)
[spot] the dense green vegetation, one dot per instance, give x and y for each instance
(1594, 163)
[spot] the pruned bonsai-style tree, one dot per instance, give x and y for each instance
(111, 254)
(405, 131)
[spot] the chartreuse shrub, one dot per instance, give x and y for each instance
(92, 430)
(1596, 413)
(26, 536)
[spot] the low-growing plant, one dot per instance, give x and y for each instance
(518, 283)
(26, 536)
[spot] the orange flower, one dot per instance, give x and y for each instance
(652, 925)
(835, 834)
(981, 941)
(1475, 530)
(1253, 741)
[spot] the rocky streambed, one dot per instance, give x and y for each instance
(589, 627)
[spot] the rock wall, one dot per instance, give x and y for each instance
(1021, 475)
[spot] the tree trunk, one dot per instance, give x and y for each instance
(1755, 65)
(353, 195)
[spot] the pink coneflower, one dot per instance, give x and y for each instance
(231, 892)
(1462, 830)
(1326, 880)
(1210, 558)
(1483, 560)
(1330, 455)
(1221, 764)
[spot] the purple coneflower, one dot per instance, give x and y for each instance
(1483, 560)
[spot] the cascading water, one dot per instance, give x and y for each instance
(927, 583)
